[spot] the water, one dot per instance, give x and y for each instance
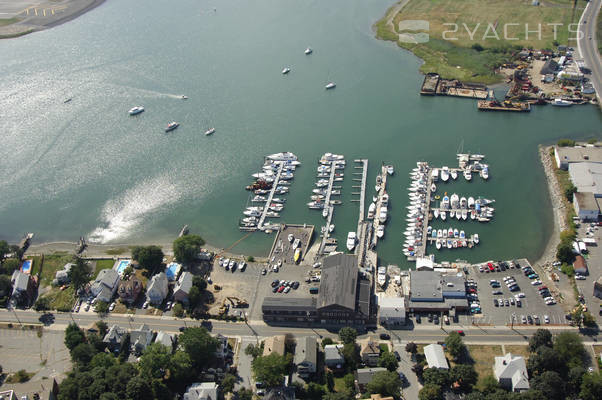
(87, 168)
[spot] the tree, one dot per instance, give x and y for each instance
(194, 297)
(350, 353)
(245, 394)
(315, 391)
(228, 383)
(544, 359)
(4, 249)
(42, 304)
(79, 274)
(178, 310)
(436, 376)
(465, 375)
(102, 328)
(270, 369)
(343, 395)
(570, 348)
(199, 282)
(588, 320)
(454, 345)
(388, 361)
(187, 248)
(330, 380)
(347, 335)
(326, 341)
(591, 387)
(252, 350)
(101, 307)
(412, 348)
(149, 257)
(349, 381)
(138, 388)
(82, 353)
(488, 384)
(73, 336)
(155, 361)
(182, 371)
(199, 345)
(127, 272)
(541, 337)
(9, 265)
(575, 378)
(564, 252)
(386, 383)
(430, 392)
(550, 383)
(102, 360)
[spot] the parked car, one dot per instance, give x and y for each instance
(497, 292)
(112, 306)
(496, 303)
(580, 277)
(546, 319)
(384, 336)
(397, 356)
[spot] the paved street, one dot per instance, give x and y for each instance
(587, 43)
(405, 365)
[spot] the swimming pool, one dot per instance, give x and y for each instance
(172, 270)
(122, 265)
(26, 267)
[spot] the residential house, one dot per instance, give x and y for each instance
(280, 393)
(306, 356)
(129, 290)
(435, 357)
(222, 350)
(273, 344)
(62, 276)
(364, 376)
(369, 352)
(511, 372)
(333, 356)
(182, 288)
(140, 338)
(158, 288)
(165, 339)
(114, 338)
(24, 288)
(202, 391)
(105, 285)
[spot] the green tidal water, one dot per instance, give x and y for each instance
(87, 168)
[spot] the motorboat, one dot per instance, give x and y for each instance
(380, 231)
(330, 85)
(259, 199)
(252, 213)
(384, 200)
(382, 217)
(136, 110)
(455, 244)
(436, 213)
(475, 238)
(377, 188)
(445, 202)
(284, 156)
(485, 173)
(297, 255)
(443, 216)
(435, 174)
(308, 51)
(286, 71)
(452, 214)
(464, 214)
(209, 131)
(473, 214)
(296, 243)
(462, 234)
(445, 173)
(467, 175)
(171, 126)
(290, 237)
(471, 202)
(439, 233)
(325, 212)
(278, 199)
(450, 232)
(456, 233)
(250, 220)
(454, 174)
(463, 202)
(315, 205)
(454, 200)
(438, 245)
(371, 210)
(351, 239)
(390, 170)
(331, 228)
(449, 244)
(560, 102)
(317, 197)
(458, 215)
(444, 235)
(330, 157)
(272, 214)
(433, 188)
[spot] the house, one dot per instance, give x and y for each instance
(105, 285)
(165, 339)
(369, 352)
(202, 391)
(511, 372)
(435, 356)
(364, 376)
(580, 266)
(114, 338)
(8, 395)
(280, 393)
(222, 350)
(62, 276)
(140, 338)
(24, 288)
(306, 356)
(157, 290)
(273, 344)
(391, 311)
(332, 355)
(598, 288)
(182, 288)
(586, 206)
(129, 290)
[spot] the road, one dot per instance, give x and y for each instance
(587, 43)
(422, 334)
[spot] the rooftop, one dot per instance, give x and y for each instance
(586, 201)
(587, 176)
(307, 304)
(307, 350)
(339, 281)
(435, 357)
(273, 344)
(579, 154)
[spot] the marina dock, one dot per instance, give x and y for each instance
(335, 163)
(282, 249)
(262, 218)
(433, 85)
(488, 105)
(379, 204)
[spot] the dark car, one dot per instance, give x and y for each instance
(529, 320)
(519, 303)
(295, 285)
(430, 317)
(384, 336)
(436, 320)
(495, 303)
(275, 289)
(182, 328)
(275, 282)
(313, 290)
(497, 292)
(397, 355)
(418, 319)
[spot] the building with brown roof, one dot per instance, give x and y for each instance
(370, 352)
(130, 289)
(273, 344)
(580, 266)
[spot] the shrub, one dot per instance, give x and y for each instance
(566, 143)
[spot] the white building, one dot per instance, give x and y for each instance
(391, 311)
(587, 177)
(511, 372)
(157, 289)
(435, 357)
(568, 155)
(105, 285)
(587, 207)
(202, 391)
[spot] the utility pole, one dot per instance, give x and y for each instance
(17, 317)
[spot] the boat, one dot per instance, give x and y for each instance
(390, 170)
(184, 97)
(290, 237)
(68, 100)
(330, 85)
(331, 228)
(455, 244)
(377, 188)
(136, 110)
(458, 215)
(380, 232)
(371, 211)
(384, 201)
(452, 214)
(284, 156)
(454, 200)
(560, 102)
(438, 245)
(317, 197)
(209, 131)
(449, 244)
(433, 188)
(443, 216)
(445, 173)
(467, 174)
(351, 238)
(171, 126)
(435, 175)
(454, 174)
(485, 173)
(297, 256)
(475, 238)
(308, 51)
(252, 213)
(464, 214)
(462, 234)
(456, 233)
(325, 212)
(436, 213)
(259, 199)
(473, 214)
(445, 202)
(278, 199)
(286, 71)
(382, 217)
(450, 232)
(315, 205)
(463, 202)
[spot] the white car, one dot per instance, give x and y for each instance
(546, 319)
(287, 289)
(145, 305)
(580, 277)
(521, 295)
(112, 307)
(536, 283)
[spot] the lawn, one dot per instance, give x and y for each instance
(518, 350)
(102, 264)
(483, 357)
(479, 23)
(599, 33)
(52, 263)
(61, 300)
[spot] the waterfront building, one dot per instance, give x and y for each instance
(129, 290)
(105, 285)
(391, 311)
(182, 288)
(569, 155)
(587, 206)
(433, 291)
(157, 289)
(587, 177)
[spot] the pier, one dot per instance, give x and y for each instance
(327, 244)
(364, 228)
(376, 221)
(487, 105)
(270, 196)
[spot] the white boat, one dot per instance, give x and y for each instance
(435, 175)
(475, 238)
(454, 174)
(454, 200)
(450, 233)
(210, 131)
(433, 188)
(436, 213)
(325, 212)
(290, 237)
(136, 110)
(456, 233)
(331, 228)
(464, 214)
(473, 214)
(390, 170)
(452, 214)
(284, 156)
(438, 245)
(380, 232)
(458, 215)
(286, 71)
(449, 244)
(308, 51)
(445, 202)
(463, 202)
(485, 173)
(443, 216)
(471, 202)
(467, 174)
(371, 210)
(171, 126)
(382, 217)
(384, 201)
(184, 97)
(561, 102)
(439, 233)
(445, 173)
(462, 234)
(330, 85)
(351, 238)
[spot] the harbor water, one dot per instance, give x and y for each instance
(87, 168)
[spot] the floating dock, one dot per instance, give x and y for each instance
(266, 208)
(376, 221)
(337, 163)
(429, 85)
(488, 105)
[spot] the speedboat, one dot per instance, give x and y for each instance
(286, 71)
(438, 245)
(449, 244)
(351, 238)
(136, 110)
(467, 174)
(450, 232)
(456, 233)
(184, 97)
(330, 85)
(454, 174)
(443, 216)
(439, 233)
(436, 213)
(171, 126)
(475, 238)
(452, 214)
(445, 173)
(371, 210)
(380, 232)
(463, 202)
(331, 228)
(458, 215)
(382, 217)
(464, 215)
(384, 201)
(259, 199)
(210, 131)
(454, 200)
(308, 51)
(473, 214)
(290, 237)
(284, 156)
(433, 188)
(325, 212)
(445, 202)
(390, 170)
(485, 173)
(471, 202)
(462, 235)
(561, 102)
(435, 175)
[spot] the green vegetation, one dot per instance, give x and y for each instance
(149, 257)
(386, 383)
(116, 251)
(52, 263)
(478, 43)
(566, 143)
(61, 300)
(389, 361)
(186, 248)
(454, 345)
(599, 33)
(250, 259)
(347, 335)
(79, 274)
(20, 376)
(270, 369)
(8, 21)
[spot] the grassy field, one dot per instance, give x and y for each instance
(518, 350)
(8, 21)
(102, 264)
(61, 300)
(483, 357)
(52, 263)
(599, 33)
(479, 23)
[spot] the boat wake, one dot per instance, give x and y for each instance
(121, 215)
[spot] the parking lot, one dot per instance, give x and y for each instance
(593, 257)
(532, 304)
